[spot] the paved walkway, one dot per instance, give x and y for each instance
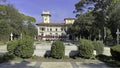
(26, 64)
(3, 49)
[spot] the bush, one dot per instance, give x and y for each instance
(6, 57)
(115, 52)
(11, 46)
(57, 50)
(85, 48)
(99, 47)
(25, 48)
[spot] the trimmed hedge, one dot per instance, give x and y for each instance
(22, 48)
(11, 46)
(25, 48)
(57, 50)
(115, 52)
(99, 47)
(85, 48)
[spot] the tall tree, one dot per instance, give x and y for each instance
(16, 21)
(4, 31)
(101, 12)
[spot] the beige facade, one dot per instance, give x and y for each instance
(52, 31)
(46, 16)
(69, 20)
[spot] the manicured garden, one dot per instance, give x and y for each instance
(24, 49)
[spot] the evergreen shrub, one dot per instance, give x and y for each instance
(57, 50)
(25, 48)
(99, 47)
(11, 46)
(85, 48)
(115, 52)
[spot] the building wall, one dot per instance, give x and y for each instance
(46, 19)
(46, 50)
(71, 21)
(51, 31)
(54, 31)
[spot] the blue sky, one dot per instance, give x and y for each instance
(59, 9)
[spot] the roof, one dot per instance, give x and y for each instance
(69, 19)
(51, 24)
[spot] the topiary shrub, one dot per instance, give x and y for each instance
(25, 48)
(57, 50)
(85, 48)
(11, 46)
(99, 47)
(115, 52)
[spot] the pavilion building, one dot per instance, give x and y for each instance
(48, 30)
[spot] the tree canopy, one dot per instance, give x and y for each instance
(95, 15)
(15, 22)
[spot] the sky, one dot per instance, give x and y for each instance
(59, 9)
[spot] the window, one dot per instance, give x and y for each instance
(43, 29)
(50, 33)
(50, 29)
(56, 34)
(56, 29)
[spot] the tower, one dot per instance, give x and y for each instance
(46, 16)
(69, 20)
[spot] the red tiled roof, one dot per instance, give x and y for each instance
(51, 24)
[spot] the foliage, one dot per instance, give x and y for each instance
(12, 21)
(4, 31)
(57, 50)
(30, 30)
(82, 25)
(105, 14)
(99, 47)
(115, 52)
(25, 48)
(28, 18)
(108, 60)
(11, 46)
(85, 48)
(6, 57)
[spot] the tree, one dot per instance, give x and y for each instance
(84, 21)
(16, 21)
(4, 31)
(30, 30)
(103, 12)
(114, 17)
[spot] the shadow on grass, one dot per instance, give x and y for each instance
(108, 60)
